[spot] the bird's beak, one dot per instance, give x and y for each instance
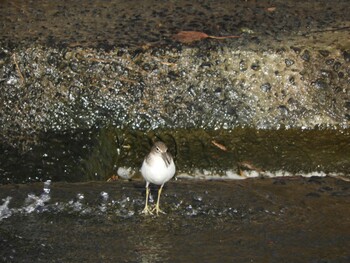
(166, 158)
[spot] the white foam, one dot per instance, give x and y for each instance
(125, 172)
(233, 175)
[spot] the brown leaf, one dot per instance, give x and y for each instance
(112, 178)
(187, 37)
(250, 166)
(271, 9)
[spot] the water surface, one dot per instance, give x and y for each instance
(289, 219)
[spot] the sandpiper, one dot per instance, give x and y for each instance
(158, 167)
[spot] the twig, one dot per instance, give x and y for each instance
(219, 145)
(224, 37)
(18, 69)
(187, 37)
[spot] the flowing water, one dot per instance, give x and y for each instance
(56, 206)
(289, 219)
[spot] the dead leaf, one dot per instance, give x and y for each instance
(112, 178)
(187, 37)
(220, 146)
(248, 165)
(271, 9)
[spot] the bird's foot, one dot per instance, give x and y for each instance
(147, 211)
(158, 210)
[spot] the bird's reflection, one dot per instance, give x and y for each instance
(153, 244)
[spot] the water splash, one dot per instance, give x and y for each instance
(77, 204)
(104, 196)
(126, 208)
(37, 203)
(123, 207)
(47, 185)
(104, 202)
(32, 203)
(5, 211)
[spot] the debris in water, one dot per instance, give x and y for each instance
(113, 178)
(187, 37)
(219, 145)
(246, 165)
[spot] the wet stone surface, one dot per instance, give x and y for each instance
(110, 23)
(101, 154)
(251, 220)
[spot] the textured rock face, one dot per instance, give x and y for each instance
(65, 67)
(209, 86)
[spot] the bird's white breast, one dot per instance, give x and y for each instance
(157, 172)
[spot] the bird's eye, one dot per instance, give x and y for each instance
(158, 150)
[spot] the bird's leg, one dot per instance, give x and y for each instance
(146, 210)
(157, 206)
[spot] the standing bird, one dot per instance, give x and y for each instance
(158, 167)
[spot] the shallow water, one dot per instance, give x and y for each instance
(289, 219)
(285, 214)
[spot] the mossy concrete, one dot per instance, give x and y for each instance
(108, 153)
